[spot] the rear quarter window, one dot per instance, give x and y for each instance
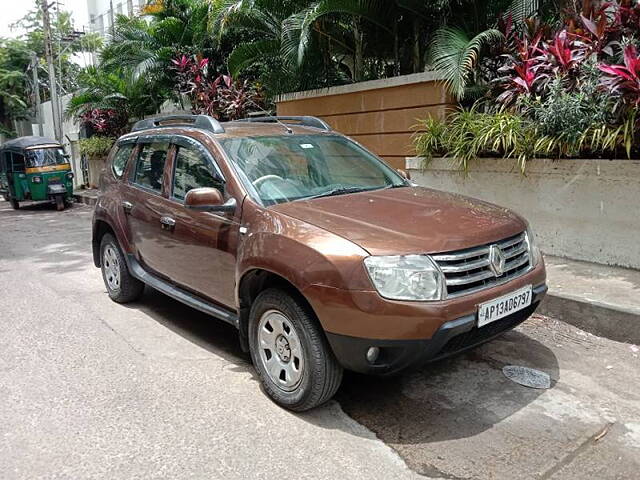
(120, 159)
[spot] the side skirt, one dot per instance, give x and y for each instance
(181, 295)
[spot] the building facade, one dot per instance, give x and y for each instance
(102, 13)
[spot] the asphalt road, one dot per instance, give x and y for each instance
(154, 389)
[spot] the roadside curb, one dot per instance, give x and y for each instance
(84, 198)
(605, 320)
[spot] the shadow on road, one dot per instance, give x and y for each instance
(450, 399)
(206, 332)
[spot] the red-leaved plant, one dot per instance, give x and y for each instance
(222, 98)
(563, 53)
(623, 81)
(523, 70)
(105, 122)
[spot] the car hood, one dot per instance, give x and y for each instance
(407, 220)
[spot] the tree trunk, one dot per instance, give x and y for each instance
(417, 57)
(130, 8)
(396, 50)
(358, 60)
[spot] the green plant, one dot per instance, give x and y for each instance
(429, 139)
(567, 115)
(455, 55)
(96, 146)
(469, 133)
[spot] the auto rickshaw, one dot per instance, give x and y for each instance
(35, 169)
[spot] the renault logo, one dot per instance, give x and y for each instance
(496, 260)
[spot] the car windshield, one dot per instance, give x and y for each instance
(286, 168)
(45, 157)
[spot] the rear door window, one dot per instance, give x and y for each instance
(193, 170)
(120, 159)
(150, 165)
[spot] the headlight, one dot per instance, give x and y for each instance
(534, 252)
(70, 176)
(36, 179)
(406, 277)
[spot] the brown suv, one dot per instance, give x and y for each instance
(320, 254)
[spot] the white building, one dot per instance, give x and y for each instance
(102, 13)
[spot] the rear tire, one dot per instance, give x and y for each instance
(14, 204)
(288, 348)
(121, 286)
(59, 203)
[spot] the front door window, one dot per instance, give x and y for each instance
(193, 170)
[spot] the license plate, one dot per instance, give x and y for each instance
(503, 306)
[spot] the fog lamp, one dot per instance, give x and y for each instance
(372, 354)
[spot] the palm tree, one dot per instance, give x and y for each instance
(268, 36)
(295, 33)
(147, 47)
(456, 51)
(116, 89)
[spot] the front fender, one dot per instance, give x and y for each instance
(301, 253)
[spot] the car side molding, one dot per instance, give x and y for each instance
(183, 296)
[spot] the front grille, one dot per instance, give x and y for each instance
(467, 271)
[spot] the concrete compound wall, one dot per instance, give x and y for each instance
(581, 209)
(379, 114)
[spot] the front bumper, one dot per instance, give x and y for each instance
(451, 337)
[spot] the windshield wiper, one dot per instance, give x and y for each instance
(340, 191)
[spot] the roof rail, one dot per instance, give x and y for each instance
(205, 122)
(306, 121)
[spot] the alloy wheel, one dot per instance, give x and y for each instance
(280, 350)
(111, 267)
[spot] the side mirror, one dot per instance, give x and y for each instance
(209, 200)
(404, 174)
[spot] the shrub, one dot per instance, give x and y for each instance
(623, 81)
(222, 98)
(570, 92)
(467, 135)
(106, 122)
(96, 146)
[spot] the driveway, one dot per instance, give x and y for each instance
(154, 389)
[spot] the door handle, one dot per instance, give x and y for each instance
(168, 223)
(127, 206)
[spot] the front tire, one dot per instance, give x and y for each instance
(121, 286)
(14, 204)
(288, 348)
(59, 203)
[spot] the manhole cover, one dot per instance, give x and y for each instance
(527, 377)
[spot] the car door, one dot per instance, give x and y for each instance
(203, 244)
(145, 203)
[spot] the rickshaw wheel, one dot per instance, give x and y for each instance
(14, 204)
(59, 203)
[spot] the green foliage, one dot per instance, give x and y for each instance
(456, 56)
(96, 146)
(568, 114)
(468, 134)
(116, 89)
